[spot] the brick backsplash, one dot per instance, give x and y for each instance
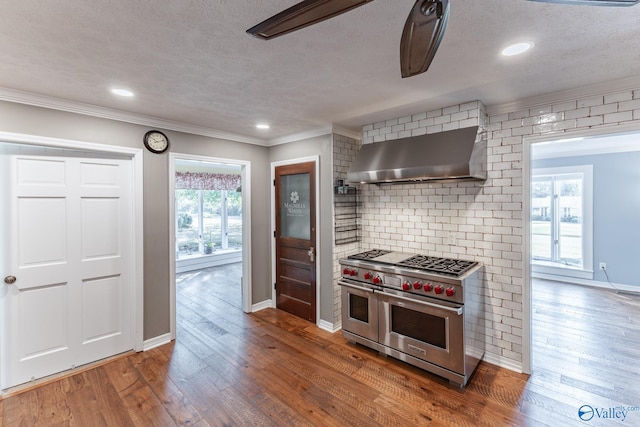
(440, 120)
(483, 220)
(344, 151)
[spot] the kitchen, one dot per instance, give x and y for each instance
(499, 217)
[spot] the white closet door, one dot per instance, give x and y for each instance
(69, 246)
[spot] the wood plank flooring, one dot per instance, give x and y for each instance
(273, 369)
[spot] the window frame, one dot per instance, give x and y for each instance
(224, 223)
(553, 267)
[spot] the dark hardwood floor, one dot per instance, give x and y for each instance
(273, 369)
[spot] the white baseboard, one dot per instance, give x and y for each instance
(261, 305)
(156, 342)
(503, 362)
(329, 327)
(206, 261)
(591, 283)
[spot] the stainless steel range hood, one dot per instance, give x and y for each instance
(451, 155)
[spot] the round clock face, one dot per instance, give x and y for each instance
(156, 141)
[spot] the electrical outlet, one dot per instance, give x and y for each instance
(603, 266)
(451, 239)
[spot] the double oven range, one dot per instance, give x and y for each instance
(423, 310)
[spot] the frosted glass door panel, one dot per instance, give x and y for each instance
(294, 212)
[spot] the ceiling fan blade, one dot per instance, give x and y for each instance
(593, 2)
(422, 34)
(303, 14)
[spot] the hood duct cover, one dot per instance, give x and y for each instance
(451, 155)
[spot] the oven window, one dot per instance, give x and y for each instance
(359, 308)
(419, 326)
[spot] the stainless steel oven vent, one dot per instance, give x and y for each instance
(451, 155)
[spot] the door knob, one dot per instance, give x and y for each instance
(312, 254)
(10, 279)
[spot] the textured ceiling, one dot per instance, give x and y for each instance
(191, 62)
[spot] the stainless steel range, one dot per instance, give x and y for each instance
(424, 310)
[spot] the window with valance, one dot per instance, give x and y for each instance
(208, 213)
(207, 181)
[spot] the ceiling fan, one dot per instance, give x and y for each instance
(421, 36)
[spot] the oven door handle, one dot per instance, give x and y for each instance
(457, 310)
(349, 285)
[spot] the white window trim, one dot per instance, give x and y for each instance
(543, 269)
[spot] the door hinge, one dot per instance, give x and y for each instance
(275, 286)
(274, 182)
(274, 233)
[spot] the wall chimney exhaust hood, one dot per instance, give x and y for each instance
(459, 154)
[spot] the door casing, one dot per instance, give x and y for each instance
(527, 142)
(246, 229)
(138, 251)
(316, 160)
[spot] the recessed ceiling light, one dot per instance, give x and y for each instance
(262, 126)
(517, 48)
(121, 92)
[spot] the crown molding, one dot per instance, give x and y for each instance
(601, 89)
(347, 132)
(325, 130)
(27, 98)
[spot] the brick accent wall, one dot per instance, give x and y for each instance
(344, 151)
(440, 120)
(480, 220)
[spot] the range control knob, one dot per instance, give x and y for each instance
(353, 273)
(438, 289)
(450, 292)
(427, 287)
(377, 280)
(406, 286)
(368, 276)
(417, 285)
(345, 271)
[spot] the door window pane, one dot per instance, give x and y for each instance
(557, 225)
(541, 237)
(294, 206)
(211, 218)
(187, 227)
(234, 215)
(570, 221)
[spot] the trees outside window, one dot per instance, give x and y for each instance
(208, 220)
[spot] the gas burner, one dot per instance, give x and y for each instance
(373, 253)
(448, 266)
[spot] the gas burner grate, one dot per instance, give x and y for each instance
(373, 253)
(447, 266)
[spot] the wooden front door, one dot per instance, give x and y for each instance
(296, 239)
(67, 296)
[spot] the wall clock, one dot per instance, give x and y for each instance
(156, 141)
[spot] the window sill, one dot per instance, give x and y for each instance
(549, 268)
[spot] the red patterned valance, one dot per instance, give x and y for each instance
(207, 181)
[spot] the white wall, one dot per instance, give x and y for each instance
(19, 118)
